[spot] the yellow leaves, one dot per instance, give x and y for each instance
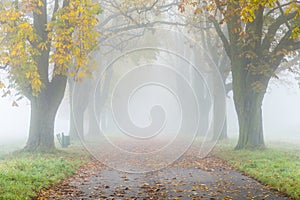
(39, 3)
(43, 46)
(294, 6)
(296, 32)
(248, 13)
(81, 75)
(13, 15)
(258, 86)
(24, 25)
(1, 85)
(36, 85)
(72, 74)
(16, 48)
(35, 82)
(73, 35)
(28, 75)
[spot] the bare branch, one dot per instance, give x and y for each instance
(280, 7)
(55, 9)
(282, 13)
(4, 67)
(221, 35)
(273, 28)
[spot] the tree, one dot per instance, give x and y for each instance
(260, 35)
(39, 50)
(118, 16)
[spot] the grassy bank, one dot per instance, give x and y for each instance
(277, 166)
(22, 175)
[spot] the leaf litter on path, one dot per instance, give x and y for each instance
(188, 178)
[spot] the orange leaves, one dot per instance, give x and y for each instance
(198, 11)
(185, 3)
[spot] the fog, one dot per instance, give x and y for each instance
(281, 107)
(281, 110)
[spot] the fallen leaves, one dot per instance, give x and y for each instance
(189, 178)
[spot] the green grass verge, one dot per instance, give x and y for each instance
(276, 166)
(23, 175)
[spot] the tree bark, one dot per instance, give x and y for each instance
(41, 133)
(248, 104)
(43, 111)
(250, 122)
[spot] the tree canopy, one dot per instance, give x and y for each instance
(28, 31)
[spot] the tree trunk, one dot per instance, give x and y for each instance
(43, 112)
(98, 107)
(219, 105)
(79, 99)
(41, 134)
(93, 124)
(248, 104)
(224, 135)
(250, 122)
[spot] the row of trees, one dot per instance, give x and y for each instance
(45, 42)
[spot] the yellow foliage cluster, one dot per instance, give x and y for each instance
(16, 38)
(248, 7)
(73, 36)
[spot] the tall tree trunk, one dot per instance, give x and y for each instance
(248, 104)
(218, 104)
(43, 111)
(224, 134)
(93, 124)
(98, 107)
(250, 121)
(79, 98)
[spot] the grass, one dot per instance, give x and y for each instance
(10, 146)
(277, 166)
(23, 175)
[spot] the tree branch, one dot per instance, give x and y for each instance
(55, 9)
(280, 7)
(286, 44)
(221, 35)
(273, 28)
(282, 13)
(4, 67)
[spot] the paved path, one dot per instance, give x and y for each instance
(188, 178)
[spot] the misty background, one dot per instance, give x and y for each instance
(281, 111)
